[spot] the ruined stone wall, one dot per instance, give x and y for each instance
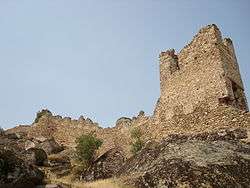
(202, 119)
(203, 71)
(66, 130)
(235, 87)
(201, 90)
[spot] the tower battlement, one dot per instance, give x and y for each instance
(204, 71)
(168, 54)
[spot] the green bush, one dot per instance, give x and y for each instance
(136, 133)
(136, 146)
(87, 145)
(137, 143)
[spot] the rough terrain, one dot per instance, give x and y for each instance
(217, 159)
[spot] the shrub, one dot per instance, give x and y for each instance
(136, 133)
(137, 143)
(87, 145)
(136, 146)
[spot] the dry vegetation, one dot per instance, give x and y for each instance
(106, 183)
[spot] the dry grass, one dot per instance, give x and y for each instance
(106, 183)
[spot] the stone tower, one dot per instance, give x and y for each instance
(205, 71)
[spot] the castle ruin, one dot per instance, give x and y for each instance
(205, 71)
(201, 90)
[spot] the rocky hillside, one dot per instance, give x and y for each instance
(18, 167)
(209, 148)
(217, 159)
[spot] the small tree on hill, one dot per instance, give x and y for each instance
(137, 143)
(87, 145)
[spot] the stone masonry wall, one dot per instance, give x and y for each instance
(232, 76)
(201, 90)
(204, 71)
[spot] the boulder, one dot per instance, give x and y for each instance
(36, 156)
(29, 144)
(60, 164)
(13, 135)
(203, 160)
(50, 146)
(105, 166)
(14, 172)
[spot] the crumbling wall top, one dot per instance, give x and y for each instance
(205, 70)
(227, 41)
(168, 54)
(207, 35)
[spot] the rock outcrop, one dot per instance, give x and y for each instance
(105, 166)
(217, 159)
(17, 173)
(36, 156)
(50, 146)
(59, 164)
(22, 159)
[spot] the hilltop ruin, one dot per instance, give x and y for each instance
(198, 136)
(201, 90)
(205, 71)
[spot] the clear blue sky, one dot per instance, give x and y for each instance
(100, 58)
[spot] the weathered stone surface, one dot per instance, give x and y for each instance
(204, 71)
(106, 166)
(13, 135)
(49, 186)
(59, 164)
(141, 114)
(81, 119)
(16, 173)
(29, 144)
(123, 122)
(40, 138)
(89, 121)
(36, 156)
(50, 146)
(223, 134)
(186, 161)
(21, 129)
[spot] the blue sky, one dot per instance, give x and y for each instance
(100, 58)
